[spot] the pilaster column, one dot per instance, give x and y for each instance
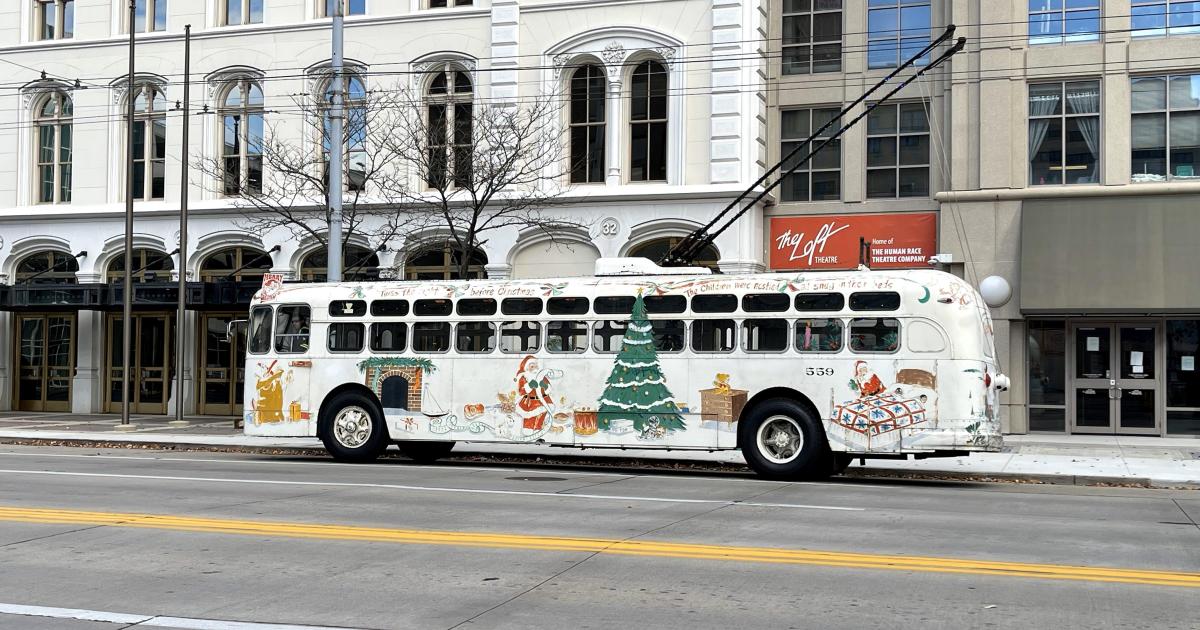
(613, 118)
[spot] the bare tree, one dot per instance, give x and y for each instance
(477, 167)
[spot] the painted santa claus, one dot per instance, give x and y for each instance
(534, 402)
(867, 382)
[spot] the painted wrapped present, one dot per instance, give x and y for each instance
(722, 404)
(875, 422)
(585, 421)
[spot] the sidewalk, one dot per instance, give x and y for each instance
(1041, 458)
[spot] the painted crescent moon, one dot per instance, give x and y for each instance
(928, 295)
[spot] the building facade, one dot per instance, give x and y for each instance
(1058, 152)
(639, 173)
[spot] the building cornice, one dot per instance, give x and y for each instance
(1068, 192)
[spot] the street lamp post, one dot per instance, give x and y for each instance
(127, 279)
(336, 126)
(183, 224)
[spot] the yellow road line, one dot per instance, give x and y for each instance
(646, 548)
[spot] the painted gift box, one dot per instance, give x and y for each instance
(585, 421)
(722, 405)
(875, 421)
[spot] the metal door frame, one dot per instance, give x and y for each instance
(1116, 385)
(233, 408)
(43, 404)
(135, 404)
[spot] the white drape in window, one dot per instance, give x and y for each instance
(1041, 105)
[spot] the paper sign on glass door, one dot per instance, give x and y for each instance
(1093, 344)
(1189, 364)
(1135, 359)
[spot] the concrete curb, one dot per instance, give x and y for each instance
(552, 459)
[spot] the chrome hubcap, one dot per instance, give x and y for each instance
(780, 439)
(352, 427)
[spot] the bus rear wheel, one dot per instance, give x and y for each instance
(425, 452)
(780, 439)
(352, 429)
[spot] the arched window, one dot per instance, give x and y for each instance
(361, 265)
(242, 138)
(149, 142)
(148, 266)
(656, 249)
(48, 267)
(235, 263)
(450, 117)
(648, 123)
(54, 141)
(442, 263)
(587, 123)
(354, 102)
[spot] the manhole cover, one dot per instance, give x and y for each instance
(536, 478)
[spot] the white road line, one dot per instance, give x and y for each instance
(385, 486)
(155, 621)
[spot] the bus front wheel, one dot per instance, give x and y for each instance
(425, 452)
(352, 428)
(781, 440)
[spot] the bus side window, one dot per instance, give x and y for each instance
(924, 337)
(347, 308)
(668, 334)
(873, 334)
(714, 303)
(665, 303)
(820, 302)
(260, 330)
(432, 308)
(608, 334)
(389, 336)
(475, 337)
(567, 306)
(614, 305)
(819, 335)
(875, 301)
(431, 337)
(345, 337)
(766, 302)
(477, 307)
(521, 306)
(713, 335)
(291, 329)
(520, 337)
(765, 335)
(389, 308)
(568, 337)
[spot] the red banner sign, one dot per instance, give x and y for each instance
(832, 241)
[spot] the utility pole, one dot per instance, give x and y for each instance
(183, 223)
(333, 264)
(127, 288)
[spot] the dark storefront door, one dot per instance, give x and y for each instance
(222, 371)
(46, 362)
(1115, 379)
(151, 359)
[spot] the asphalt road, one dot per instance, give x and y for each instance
(119, 539)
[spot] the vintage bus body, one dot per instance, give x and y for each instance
(805, 370)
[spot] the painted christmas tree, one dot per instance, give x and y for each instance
(636, 389)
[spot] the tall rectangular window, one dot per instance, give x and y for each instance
(648, 123)
(441, 4)
(54, 19)
(1166, 128)
(588, 90)
(1063, 21)
(1157, 18)
(812, 36)
(896, 31)
(349, 7)
(898, 151)
(821, 178)
(149, 16)
(1064, 133)
(243, 12)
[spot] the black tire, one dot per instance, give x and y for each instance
(765, 449)
(343, 441)
(425, 452)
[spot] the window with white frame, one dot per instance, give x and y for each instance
(349, 7)
(896, 31)
(54, 19)
(898, 151)
(243, 12)
(812, 36)
(442, 4)
(241, 114)
(1064, 133)
(450, 117)
(1166, 128)
(821, 178)
(354, 130)
(1165, 17)
(648, 122)
(149, 142)
(1063, 21)
(149, 16)
(587, 124)
(54, 137)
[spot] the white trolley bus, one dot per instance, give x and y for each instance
(802, 372)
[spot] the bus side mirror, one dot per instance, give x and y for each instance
(235, 329)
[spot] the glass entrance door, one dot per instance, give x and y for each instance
(46, 362)
(151, 363)
(222, 372)
(1115, 385)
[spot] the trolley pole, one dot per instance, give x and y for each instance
(127, 280)
(336, 153)
(183, 224)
